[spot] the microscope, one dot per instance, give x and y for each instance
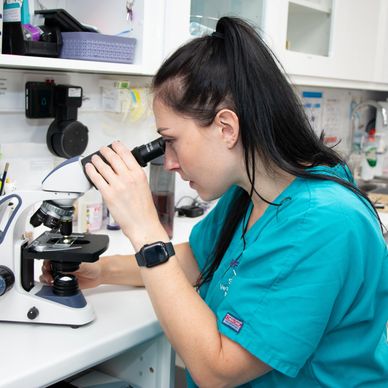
(22, 299)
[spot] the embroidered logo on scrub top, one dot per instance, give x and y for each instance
(232, 322)
(224, 287)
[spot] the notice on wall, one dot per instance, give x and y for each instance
(312, 104)
(328, 111)
(335, 109)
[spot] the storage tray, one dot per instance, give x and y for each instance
(14, 43)
(90, 46)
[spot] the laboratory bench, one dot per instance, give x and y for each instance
(125, 340)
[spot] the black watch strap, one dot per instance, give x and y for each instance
(154, 254)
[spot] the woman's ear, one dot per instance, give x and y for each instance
(229, 125)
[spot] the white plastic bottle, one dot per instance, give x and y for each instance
(89, 212)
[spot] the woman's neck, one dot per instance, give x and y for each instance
(267, 188)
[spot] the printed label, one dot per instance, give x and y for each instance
(232, 322)
(75, 92)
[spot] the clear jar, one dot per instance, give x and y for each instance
(162, 184)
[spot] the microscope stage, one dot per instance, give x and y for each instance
(74, 248)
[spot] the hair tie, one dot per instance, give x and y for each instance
(217, 34)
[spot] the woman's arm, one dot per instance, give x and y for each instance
(191, 326)
(123, 269)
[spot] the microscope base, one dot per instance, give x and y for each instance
(22, 306)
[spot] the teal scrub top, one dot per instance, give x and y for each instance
(309, 293)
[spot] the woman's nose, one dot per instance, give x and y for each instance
(170, 160)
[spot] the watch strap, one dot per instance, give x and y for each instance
(170, 249)
(140, 259)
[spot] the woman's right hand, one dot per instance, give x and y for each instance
(89, 275)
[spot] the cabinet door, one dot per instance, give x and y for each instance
(334, 39)
(187, 19)
(355, 38)
(381, 60)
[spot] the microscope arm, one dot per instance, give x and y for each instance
(68, 177)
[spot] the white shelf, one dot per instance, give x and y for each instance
(70, 65)
(320, 5)
(337, 83)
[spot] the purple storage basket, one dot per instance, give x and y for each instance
(92, 46)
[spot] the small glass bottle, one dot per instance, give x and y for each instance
(162, 184)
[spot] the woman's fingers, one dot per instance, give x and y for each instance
(125, 155)
(46, 276)
(119, 161)
(95, 176)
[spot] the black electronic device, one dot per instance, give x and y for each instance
(39, 100)
(66, 137)
(190, 211)
(151, 255)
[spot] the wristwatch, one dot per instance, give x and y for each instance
(154, 254)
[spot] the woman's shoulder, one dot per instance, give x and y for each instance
(330, 202)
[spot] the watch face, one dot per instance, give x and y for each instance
(155, 254)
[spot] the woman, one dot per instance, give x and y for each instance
(290, 268)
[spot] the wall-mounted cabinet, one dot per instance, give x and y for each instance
(325, 39)
(339, 43)
(319, 42)
(111, 18)
(381, 60)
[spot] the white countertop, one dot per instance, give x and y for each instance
(34, 355)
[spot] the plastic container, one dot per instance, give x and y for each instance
(89, 212)
(112, 224)
(162, 184)
(90, 46)
(373, 149)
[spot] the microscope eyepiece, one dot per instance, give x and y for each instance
(143, 154)
(150, 151)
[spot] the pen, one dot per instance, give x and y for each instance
(3, 178)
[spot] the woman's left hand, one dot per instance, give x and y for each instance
(124, 187)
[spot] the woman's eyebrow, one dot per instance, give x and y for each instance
(160, 130)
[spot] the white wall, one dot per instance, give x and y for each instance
(23, 141)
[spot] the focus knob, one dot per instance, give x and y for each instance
(7, 279)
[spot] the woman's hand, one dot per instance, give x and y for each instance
(125, 190)
(89, 275)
